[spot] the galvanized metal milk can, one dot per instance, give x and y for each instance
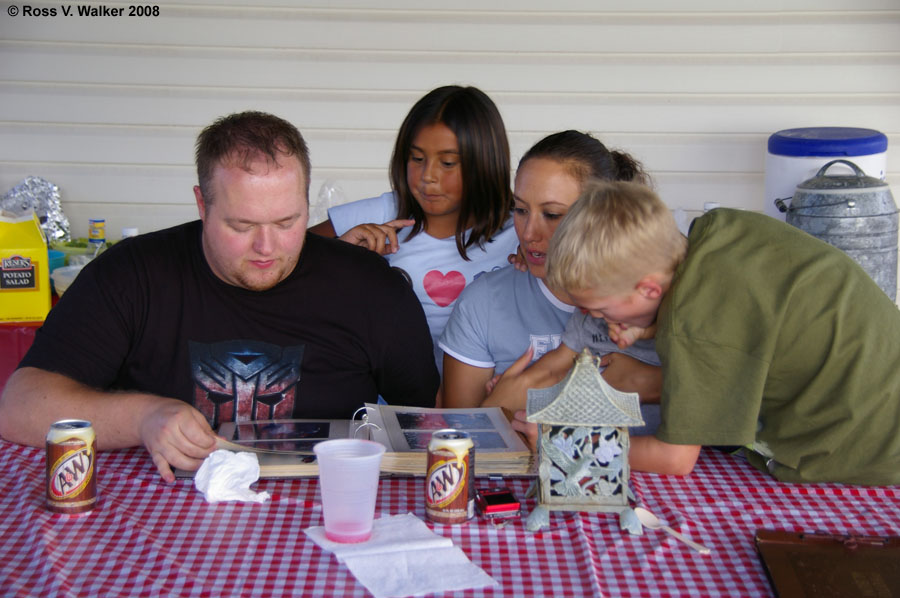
(855, 213)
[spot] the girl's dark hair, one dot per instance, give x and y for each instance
(483, 159)
(586, 158)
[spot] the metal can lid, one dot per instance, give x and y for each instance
(70, 424)
(455, 440)
(843, 182)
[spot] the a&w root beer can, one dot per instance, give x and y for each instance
(450, 477)
(71, 473)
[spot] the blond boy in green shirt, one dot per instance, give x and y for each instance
(768, 337)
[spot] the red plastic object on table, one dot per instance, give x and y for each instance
(15, 340)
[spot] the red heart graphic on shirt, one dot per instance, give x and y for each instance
(444, 288)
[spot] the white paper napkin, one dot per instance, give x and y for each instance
(405, 558)
(225, 475)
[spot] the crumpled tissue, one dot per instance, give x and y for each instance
(405, 558)
(225, 475)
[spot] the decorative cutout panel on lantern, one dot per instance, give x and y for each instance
(583, 440)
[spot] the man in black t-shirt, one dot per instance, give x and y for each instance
(240, 315)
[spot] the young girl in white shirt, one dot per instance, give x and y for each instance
(447, 219)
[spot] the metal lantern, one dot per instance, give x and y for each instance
(582, 442)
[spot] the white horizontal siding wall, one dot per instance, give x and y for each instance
(108, 107)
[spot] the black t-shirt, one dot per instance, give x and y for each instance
(149, 314)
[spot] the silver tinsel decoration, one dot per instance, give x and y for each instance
(40, 196)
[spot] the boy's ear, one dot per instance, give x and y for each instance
(649, 288)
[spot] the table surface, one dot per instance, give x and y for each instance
(148, 538)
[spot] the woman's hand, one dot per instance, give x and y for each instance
(517, 260)
(490, 384)
(527, 429)
(511, 390)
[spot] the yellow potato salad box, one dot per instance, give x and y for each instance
(24, 271)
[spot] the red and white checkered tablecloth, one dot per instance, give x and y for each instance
(146, 538)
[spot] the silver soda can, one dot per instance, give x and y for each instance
(450, 477)
(71, 470)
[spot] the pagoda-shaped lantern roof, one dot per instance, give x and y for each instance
(584, 398)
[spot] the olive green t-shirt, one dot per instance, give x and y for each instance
(773, 338)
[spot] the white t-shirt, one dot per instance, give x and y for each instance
(500, 315)
(436, 270)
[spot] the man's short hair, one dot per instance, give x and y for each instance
(244, 137)
(613, 236)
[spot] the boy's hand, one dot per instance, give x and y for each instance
(628, 374)
(624, 335)
(380, 238)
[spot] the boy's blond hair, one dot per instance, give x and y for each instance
(613, 236)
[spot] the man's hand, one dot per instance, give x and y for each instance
(624, 336)
(628, 374)
(176, 435)
(380, 238)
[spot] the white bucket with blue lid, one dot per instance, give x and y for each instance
(796, 155)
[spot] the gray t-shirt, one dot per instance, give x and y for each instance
(499, 316)
(584, 330)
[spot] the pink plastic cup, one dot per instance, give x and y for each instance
(348, 479)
